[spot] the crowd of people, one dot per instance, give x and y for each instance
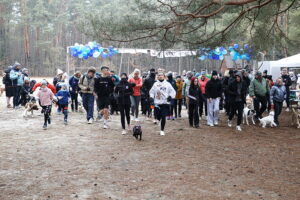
(161, 95)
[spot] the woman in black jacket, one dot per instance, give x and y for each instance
(237, 91)
(194, 99)
(123, 90)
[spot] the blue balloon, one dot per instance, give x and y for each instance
(96, 54)
(230, 48)
(202, 57)
(246, 46)
(236, 46)
(80, 56)
(85, 57)
(221, 57)
(104, 55)
(224, 52)
(217, 51)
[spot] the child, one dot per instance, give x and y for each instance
(45, 96)
(63, 97)
(25, 90)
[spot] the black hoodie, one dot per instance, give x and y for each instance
(123, 90)
(104, 86)
(213, 88)
(237, 90)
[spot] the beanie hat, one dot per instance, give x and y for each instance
(91, 69)
(44, 82)
(124, 74)
(214, 73)
(258, 73)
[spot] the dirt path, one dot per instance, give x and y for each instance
(82, 161)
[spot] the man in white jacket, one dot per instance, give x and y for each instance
(161, 95)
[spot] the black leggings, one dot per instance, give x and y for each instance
(47, 112)
(74, 104)
(177, 107)
(125, 111)
(237, 107)
(193, 114)
(161, 112)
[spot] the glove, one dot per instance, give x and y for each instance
(151, 101)
(169, 98)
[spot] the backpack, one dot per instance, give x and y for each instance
(6, 78)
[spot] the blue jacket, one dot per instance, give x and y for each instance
(277, 93)
(63, 97)
(74, 87)
(17, 77)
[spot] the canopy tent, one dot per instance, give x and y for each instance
(292, 61)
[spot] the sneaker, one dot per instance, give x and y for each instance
(229, 123)
(287, 110)
(49, 120)
(155, 121)
(66, 122)
(238, 128)
(105, 126)
(129, 127)
(210, 125)
(216, 123)
(162, 133)
(124, 132)
(90, 121)
(173, 118)
(45, 126)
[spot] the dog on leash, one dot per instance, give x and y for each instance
(30, 106)
(269, 120)
(248, 113)
(295, 118)
(137, 132)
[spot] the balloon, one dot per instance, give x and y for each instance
(224, 52)
(217, 51)
(202, 57)
(221, 57)
(215, 57)
(104, 55)
(80, 56)
(246, 46)
(96, 54)
(236, 46)
(85, 57)
(230, 48)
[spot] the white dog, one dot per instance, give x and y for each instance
(247, 112)
(269, 120)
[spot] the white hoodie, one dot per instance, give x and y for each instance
(160, 91)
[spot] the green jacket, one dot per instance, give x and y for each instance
(258, 88)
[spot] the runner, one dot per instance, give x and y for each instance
(136, 96)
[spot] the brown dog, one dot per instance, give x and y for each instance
(30, 106)
(295, 118)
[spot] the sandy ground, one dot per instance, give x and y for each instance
(81, 161)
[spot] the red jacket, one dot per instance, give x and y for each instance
(203, 84)
(138, 84)
(50, 86)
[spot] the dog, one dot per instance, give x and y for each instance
(137, 132)
(30, 106)
(295, 118)
(247, 112)
(269, 120)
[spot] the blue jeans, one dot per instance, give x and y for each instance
(88, 104)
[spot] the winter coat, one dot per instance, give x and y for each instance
(45, 95)
(161, 91)
(138, 85)
(179, 86)
(277, 93)
(287, 81)
(63, 97)
(148, 83)
(104, 86)
(213, 88)
(25, 89)
(86, 82)
(50, 86)
(172, 82)
(124, 90)
(186, 87)
(202, 84)
(17, 77)
(258, 88)
(233, 92)
(74, 86)
(195, 95)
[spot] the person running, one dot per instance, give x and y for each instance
(203, 101)
(277, 96)
(287, 82)
(86, 85)
(124, 90)
(45, 97)
(178, 97)
(136, 96)
(161, 95)
(17, 79)
(9, 89)
(259, 90)
(237, 91)
(147, 85)
(74, 90)
(173, 83)
(194, 99)
(104, 88)
(63, 97)
(213, 92)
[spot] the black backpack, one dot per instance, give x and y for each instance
(6, 78)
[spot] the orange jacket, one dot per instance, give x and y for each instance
(138, 84)
(203, 84)
(50, 86)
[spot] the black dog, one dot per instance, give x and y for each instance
(137, 131)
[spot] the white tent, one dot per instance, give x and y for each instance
(292, 61)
